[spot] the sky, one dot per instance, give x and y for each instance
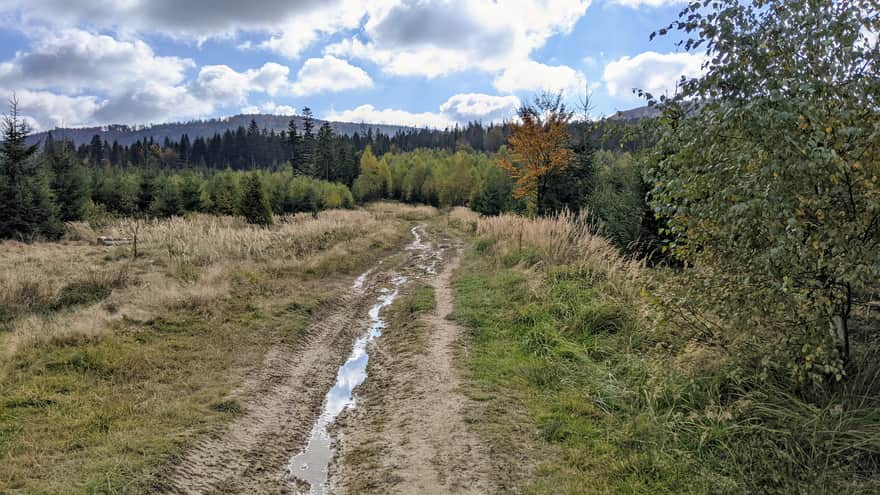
(424, 63)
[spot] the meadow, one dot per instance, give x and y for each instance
(573, 341)
(113, 363)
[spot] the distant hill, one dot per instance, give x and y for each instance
(634, 114)
(126, 135)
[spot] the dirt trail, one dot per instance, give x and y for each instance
(281, 401)
(426, 445)
(409, 434)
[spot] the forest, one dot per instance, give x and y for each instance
(686, 303)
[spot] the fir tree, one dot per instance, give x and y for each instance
(307, 166)
(255, 203)
(27, 208)
(70, 181)
(324, 156)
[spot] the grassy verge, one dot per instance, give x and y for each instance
(104, 379)
(583, 390)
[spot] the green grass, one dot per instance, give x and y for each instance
(581, 395)
(106, 416)
(421, 300)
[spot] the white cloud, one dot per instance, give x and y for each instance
(152, 103)
(72, 60)
(534, 76)
(270, 108)
(373, 115)
(458, 109)
(329, 74)
(653, 72)
(438, 38)
(46, 110)
(475, 106)
(647, 3)
(222, 84)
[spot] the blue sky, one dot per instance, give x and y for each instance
(412, 62)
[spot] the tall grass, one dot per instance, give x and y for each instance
(202, 239)
(182, 262)
(628, 403)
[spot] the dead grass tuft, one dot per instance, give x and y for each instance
(402, 211)
(464, 218)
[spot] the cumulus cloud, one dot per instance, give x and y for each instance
(222, 84)
(329, 74)
(653, 72)
(373, 115)
(439, 38)
(45, 110)
(534, 76)
(152, 103)
(73, 59)
(474, 106)
(268, 108)
(458, 109)
(200, 19)
(647, 3)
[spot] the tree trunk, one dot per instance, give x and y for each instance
(840, 324)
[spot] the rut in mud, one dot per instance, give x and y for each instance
(410, 432)
(287, 398)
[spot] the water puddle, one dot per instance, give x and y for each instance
(359, 282)
(312, 464)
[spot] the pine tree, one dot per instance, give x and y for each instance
(27, 208)
(255, 203)
(324, 156)
(70, 181)
(293, 141)
(146, 191)
(96, 150)
(308, 143)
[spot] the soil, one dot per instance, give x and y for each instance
(410, 432)
(409, 418)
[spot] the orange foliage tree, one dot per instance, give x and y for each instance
(538, 145)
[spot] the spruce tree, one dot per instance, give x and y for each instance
(27, 208)
(324, 156)
(255, 203)
(70, 181)
(308, 143)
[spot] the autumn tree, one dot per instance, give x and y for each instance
(375, 179)
(538, 145)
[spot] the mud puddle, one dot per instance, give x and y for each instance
(311, 466)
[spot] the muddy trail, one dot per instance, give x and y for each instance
(285, 440)
(410, 434)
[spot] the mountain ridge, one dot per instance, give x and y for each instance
(126, 135)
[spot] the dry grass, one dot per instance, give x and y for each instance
(562, 238)
(402, 211)
(204, 239)
(182, 263)
(464, 219)
(110, 363)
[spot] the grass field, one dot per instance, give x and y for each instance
(112, 364)
(584, 389)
